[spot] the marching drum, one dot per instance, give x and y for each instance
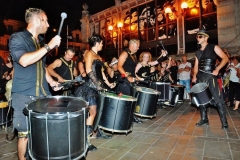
(146, 101)
(163, 88)
(116, 112)
(201, 94)
(177, 94)
(57, 128)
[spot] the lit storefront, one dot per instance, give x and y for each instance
(174, 23)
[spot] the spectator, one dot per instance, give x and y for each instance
(184, 71)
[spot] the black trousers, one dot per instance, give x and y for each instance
(216, 94)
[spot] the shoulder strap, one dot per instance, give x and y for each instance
(70, 67)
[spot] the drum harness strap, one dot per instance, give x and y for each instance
(69, 67)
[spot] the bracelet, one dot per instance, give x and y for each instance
(47, 47)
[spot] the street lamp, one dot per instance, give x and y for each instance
(119, 25)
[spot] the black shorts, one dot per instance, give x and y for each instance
(19, 119)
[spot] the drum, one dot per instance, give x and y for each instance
(177, 94)
(146, 102)
(117, 112)
(163, 88)
(57, 127)
(6, 112)
(201, 94)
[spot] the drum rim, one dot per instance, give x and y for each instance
(200, 90)
(131, 98)
(155, 91)
(160, 83)
(51, 113)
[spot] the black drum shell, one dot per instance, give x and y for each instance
(177, 94)
(60, 135)
(117, 114)
(201, 94)
(147, 101)
(163, 88)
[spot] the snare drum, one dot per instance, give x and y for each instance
(117, 112)
(201, 94)
(146, 102)
(163, 88)
(57, 127)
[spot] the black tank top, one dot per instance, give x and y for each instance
(130, 64)
(208, 53)
(65, 70)
(144, 71)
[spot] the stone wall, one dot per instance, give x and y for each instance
(229, 25)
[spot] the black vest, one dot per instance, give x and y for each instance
(207, 58)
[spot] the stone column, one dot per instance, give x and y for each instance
(85, 27)
(229, 25)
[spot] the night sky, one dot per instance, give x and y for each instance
(15, 9)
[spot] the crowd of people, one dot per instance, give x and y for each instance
(31, 78)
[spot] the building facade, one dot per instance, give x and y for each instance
(11, 26)
(165, 24)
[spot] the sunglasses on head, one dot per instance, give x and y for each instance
(199, 36)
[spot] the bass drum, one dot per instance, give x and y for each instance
(57, 127)
(116, 112)
(146, 102)
(201, 94)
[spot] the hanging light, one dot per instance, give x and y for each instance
(184, 5)
(168, 10)
(110, 28)
(120, 25)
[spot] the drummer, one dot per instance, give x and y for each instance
(205, 71)
(164, 73)
(29, 55)
(145, 67)
(88, 91)
(113, 73)
(62, 69)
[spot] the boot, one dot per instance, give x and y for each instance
(89, 133)
(204, 118)
(222, 115)
(136, 120)
(100, 134)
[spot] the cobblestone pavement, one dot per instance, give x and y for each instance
(171, 135)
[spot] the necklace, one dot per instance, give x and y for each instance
(93, 52)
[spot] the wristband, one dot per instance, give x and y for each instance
(47, 47)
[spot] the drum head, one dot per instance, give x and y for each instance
(161, 83)
(147, 90)
(199, 87)
(57, 104)
(177, 85)
(121, 97)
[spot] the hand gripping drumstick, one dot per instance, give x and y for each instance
(163, 49)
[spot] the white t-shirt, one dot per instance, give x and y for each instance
(233, 72)
(184, 75)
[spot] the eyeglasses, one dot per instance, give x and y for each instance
(199, 36)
